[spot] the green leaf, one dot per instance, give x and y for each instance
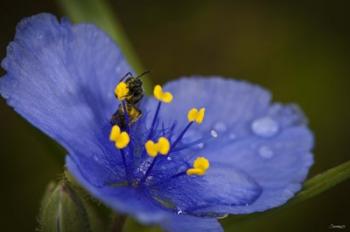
(323, 182)
(312, 187)
(100, 13)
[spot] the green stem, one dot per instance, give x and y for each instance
(323, 182)
(118, 223)
(100, 13)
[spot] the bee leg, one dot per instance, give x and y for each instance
(118, 118)
(125, 76)
(114, 119)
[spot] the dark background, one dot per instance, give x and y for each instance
(300, 51)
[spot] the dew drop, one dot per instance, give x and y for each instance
(265, 127)
(220, 126)
(200, 145)
(169, 158)
(266, 152)
(179, 211)
(214, 133)
(232, 136)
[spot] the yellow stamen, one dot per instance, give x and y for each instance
(151, 148)
(158, 93)
(200, 166)
(115, 132)
(195, 115)
(121, 91)
(121, 139)
(162, 147)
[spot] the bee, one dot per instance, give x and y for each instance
(135, 95)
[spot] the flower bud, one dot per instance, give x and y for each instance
(63, 210)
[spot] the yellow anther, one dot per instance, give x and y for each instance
(200, 166)
(195, 115)
(158, 93)
(115, 132)
(151, 148)
(162, 147)
(121, 91)
(121, 139)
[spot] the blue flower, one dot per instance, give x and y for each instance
(202, 147)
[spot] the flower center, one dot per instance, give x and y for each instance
(160, 148)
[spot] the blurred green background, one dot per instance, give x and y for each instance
(298, 50)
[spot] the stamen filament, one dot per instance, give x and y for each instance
(169, 178)
(149, 169)
(177, 140)
(194, 143)
(126, 116)
(177, 175)
(165, 180)
(154, 120)
(125, 165)
(162, 147)
(131, 153)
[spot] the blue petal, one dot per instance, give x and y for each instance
(180, 223)
(122, 198)
(278, 164)
(140, 204)
(270, 143)
(222, 186)
(61, 77)
(227, 102)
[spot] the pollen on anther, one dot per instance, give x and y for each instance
(200, 166)
(121, 91)
(162, 96)
(162, 147)
(120, 138)
(195, 115)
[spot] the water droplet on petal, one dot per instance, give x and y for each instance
(169, 158)
(266, 152)
(265, 127)
(200, 145)
(220, 126)
(232, 136)
(214, 133)
(179, 211)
